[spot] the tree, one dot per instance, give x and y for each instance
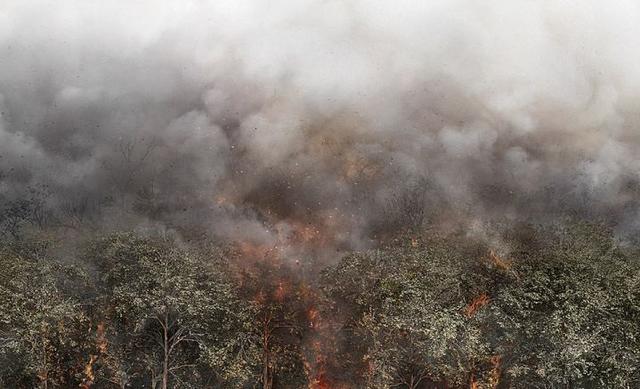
(561, 311)
(572, 319)
(179, 308)
(279, 323)
(406, 305)
(41, 328)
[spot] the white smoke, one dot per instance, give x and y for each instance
(516, 109)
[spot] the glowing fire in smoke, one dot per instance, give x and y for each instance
(316, 367)
(499, 262)
(294, 243)
(221, 200)
(281, 291)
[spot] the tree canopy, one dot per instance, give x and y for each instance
(548, 307)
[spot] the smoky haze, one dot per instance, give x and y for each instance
(247, 118)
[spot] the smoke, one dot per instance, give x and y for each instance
(247, 118)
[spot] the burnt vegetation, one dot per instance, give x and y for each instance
(559, 309)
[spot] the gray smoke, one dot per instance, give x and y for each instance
(248, 118)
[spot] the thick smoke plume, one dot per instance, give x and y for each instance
(254, 119)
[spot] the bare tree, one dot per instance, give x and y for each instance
(132, 157)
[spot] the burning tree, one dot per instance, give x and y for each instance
(405, 305)
(176, 307)
(279, 323)
(560, 310)
(572, 317)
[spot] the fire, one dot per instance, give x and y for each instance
(88, 373)
(494, 375)
(477, 303)
(313, 315)
(261, 297)
(43, 375)
(221, 200)
(307, 234)
(281, 291)
(495, 259)
(494, 378)
(101, 338)
(257, 252)
(101, 345)
(316, 365)
(291, 240)
(321, 347)
(292, 233)
(317, 370)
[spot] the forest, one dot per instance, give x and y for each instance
(421, 310)
(319, 194)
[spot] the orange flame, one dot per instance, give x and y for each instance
(281, 291)
(494, 378)
(321, 347)
(477, 303)
(494, 375)
(504, 264)
(101, 345)
(313, 315)
(291, 240)
(88, 373)
(220, 200)
(101, 338)
(249, 250)
(357, 166)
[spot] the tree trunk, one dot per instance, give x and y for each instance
(266, 382)
(45, 372)
(165, 362)
(412, 382)
(267, 378)
(154, 378)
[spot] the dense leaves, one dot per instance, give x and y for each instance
(42, 328)
(177, 307)
(550, 307)
(563, 311)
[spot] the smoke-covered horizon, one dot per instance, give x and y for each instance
(251, 119)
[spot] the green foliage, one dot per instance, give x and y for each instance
(406, 306)
(572, 318)
(169, 302)
(559, 308)
(41, 329)
(562, 311)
